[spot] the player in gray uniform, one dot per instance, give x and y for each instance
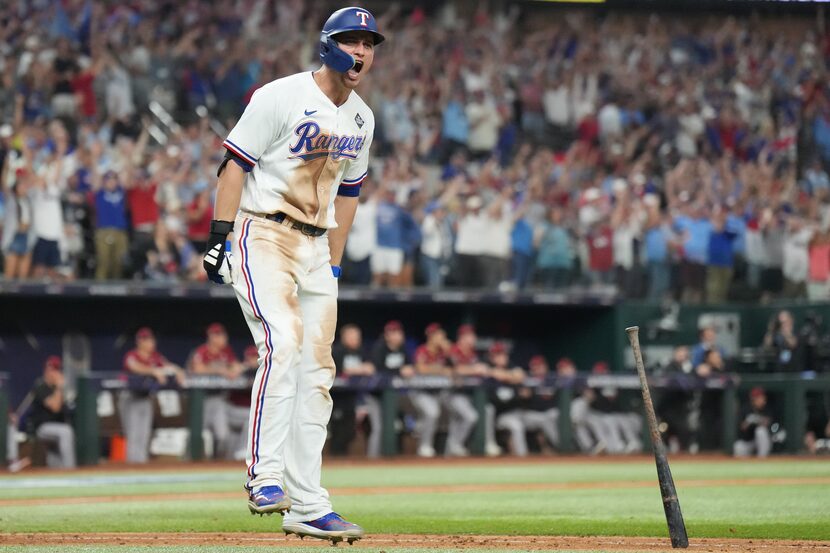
(145, 369)
(590, 429)
(535, 410)
(215, 357)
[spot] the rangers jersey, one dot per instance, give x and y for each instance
(300, 150)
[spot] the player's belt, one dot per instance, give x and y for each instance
(305, 228)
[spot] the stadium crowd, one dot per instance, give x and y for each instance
(664, 154)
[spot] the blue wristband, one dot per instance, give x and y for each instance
(335, 270)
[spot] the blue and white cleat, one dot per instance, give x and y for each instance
(330, 527)
(268, 500)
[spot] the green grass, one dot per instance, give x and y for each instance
(381, 476)
(795, 511)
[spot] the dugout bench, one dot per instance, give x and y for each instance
(792, 389)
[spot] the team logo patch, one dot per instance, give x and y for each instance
(313, 143)
(359, 120)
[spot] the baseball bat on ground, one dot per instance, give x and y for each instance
(674, 517)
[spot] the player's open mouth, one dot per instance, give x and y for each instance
(352, 73)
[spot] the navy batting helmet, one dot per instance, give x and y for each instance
(341, 21)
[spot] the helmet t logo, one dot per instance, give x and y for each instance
(363, 17)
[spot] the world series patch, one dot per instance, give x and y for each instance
(359, 120)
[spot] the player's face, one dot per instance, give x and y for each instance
(351, 338)
(218, 339)
(146, 343)
(499, 359)
(467, 340)
(394, 338)
(361, 46)
(51, 375)
(759, 401)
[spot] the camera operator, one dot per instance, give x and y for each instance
(781, 340)
(814, 342)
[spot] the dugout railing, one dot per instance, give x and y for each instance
(790, 388)
(790, 392)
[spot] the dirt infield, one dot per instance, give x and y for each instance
(530, 543)
(457, 488)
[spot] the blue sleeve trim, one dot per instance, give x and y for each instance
(245, 166)
(351, 191)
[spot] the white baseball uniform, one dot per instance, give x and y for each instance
(300, 151)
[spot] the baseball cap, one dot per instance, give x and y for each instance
(250, 351)
(498, 347)
(466, 329)
(757, 391)
(564, 362)
(144, 332)
(392, 325)
(432, 328)
(600, 367)
(537, 360)
(216, 328)
(54, 362)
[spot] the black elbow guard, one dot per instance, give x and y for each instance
(230, 156)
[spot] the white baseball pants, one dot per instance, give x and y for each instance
(284, 284)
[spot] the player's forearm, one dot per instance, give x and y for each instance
(203, 368)
(229, 192)
(432, 369)
(344, 209)
(142, 369)
(54, 402)
(467, 370)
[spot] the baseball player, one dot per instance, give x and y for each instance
(215, 357)
(142, 366)
(288, 189)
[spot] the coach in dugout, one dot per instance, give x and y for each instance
(754, 436)
(503, 401)
(145, 369)
(536, 411)
(49, 417)
(352, 362)
(215, 357)
(389, 354)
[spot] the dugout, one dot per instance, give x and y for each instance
(583, 326)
